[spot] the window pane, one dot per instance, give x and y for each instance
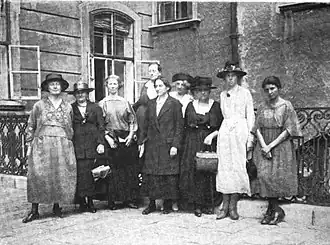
(102, 22)
(109, 45)
(99, 73)
(181, 10)
(119, 46)
(24, 58)
(122, 26)
(169, 11)
(120, 71)
(98, 44)
(29, 83)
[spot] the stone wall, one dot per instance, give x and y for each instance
(294, 48)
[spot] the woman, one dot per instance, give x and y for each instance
(120, 129)
(233, 139)
(182, 83)
(203, 117)
(88, 139)
(274, 154)
(52, 164)
(161, 139)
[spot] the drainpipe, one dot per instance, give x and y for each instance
(233, 31)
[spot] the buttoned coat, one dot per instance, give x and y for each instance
(89, 133)
(159, 134)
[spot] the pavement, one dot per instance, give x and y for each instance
(304, 225)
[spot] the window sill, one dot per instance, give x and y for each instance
(297, 7)
(174, 26)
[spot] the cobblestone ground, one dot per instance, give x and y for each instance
(129, 226)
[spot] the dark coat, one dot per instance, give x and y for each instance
(160, 134)
(89, 134)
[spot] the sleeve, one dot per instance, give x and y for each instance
(291, 123)
(250, 117)
(142, 100)
(32, 123)
(142, 132)
(100, 124)
(216, 116)
(179, 125)
(132, 119)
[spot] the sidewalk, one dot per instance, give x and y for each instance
(129, 226)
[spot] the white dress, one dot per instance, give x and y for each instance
(234, 133)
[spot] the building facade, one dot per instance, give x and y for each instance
(90, 40)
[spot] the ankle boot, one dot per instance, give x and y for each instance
(33, 215)
(233, 206)
(57, 211)
(223, 213)
(151, 208)
(269, 215)
(167, 206)
(90, 205)
(82, 204)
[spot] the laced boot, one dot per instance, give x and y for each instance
(33, 215)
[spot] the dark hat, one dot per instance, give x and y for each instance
(182, 77)
(54, 77)
(80, 86)
(231, 67)
(202, 82)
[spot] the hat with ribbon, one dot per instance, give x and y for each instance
(80, 87)
(54, 77)
(231, 67)
(202, 83)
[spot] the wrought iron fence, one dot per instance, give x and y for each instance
(313, 151)
(12, 144)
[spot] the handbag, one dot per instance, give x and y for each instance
(251, 169)
(206, 161)
(101, 171)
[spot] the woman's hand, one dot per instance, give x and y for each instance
(100, 149)
(208, 139)
(265, 151)
(111, 142)
(249, 155)
(173, 151)
(141, 150)
(129, 139)
(29, 151)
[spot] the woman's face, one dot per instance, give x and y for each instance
(231, 79)
(81, 96)
(180, 87)
(153, 71)
(54, 87)
(113, 86)
(271, 91)
(203, 94)
(160, 87)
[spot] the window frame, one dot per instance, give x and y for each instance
(175, 18)
(12, 72)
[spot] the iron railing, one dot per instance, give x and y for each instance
(313, 151)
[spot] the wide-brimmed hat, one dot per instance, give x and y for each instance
(80, 86)
(202, 83)
(231, 67)
(182, 77)
(54, 77)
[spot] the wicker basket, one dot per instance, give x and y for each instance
(206, 161)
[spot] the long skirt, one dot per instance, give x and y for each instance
(85, 181)
(160, 186)
(123, 180)
(52, 173)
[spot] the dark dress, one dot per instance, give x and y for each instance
(120, 119)
(160, 170)
(195, 186)
(277, 177)
(88, 134)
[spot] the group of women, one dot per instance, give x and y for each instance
(159, 137)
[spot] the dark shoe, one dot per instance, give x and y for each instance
(267, 218)
(149, 209)
(198, 212)
(82, 208)
(91, 210)
(278, 217)
(90, 205)
(30, 217)
(166, 211)
(207, 210)
(132, 205)
(58, 212)
(223, 213)
(112, 206)
(233, 214)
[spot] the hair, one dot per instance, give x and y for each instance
(158, 66)
(165, 81)
(120, 83)
(272, 80)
